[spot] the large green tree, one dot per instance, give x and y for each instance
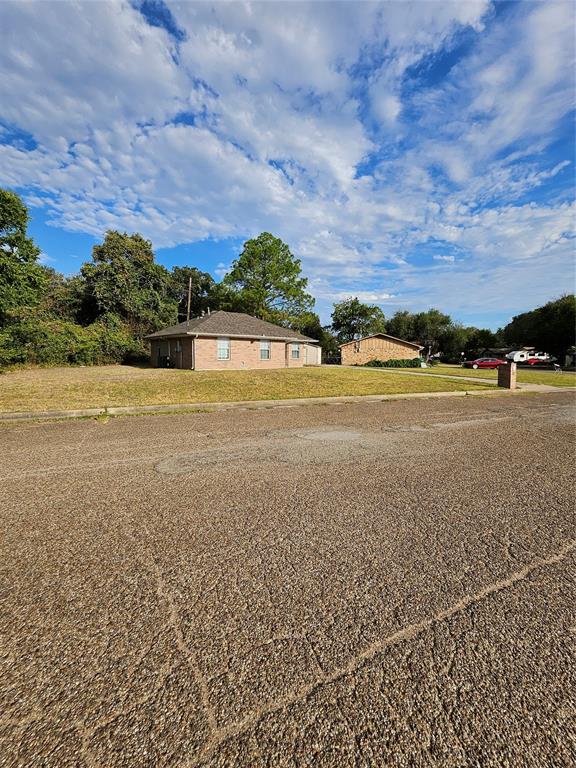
(309, 324)
(452, 343)
(426, 327)
(351, 319)
(479, 341)
(65, 297)
(551, 328)
(22, 279)
(124, 280)
(266, 281)
(401, 325)
(433, 329)
(430, 327)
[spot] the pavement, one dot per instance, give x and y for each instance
(364, 584)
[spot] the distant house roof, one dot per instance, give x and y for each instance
(383, 336)
(230, 324)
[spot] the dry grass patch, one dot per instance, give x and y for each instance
(42, 389)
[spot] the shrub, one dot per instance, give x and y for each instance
(47, 341)
(414, 363)
(44, 342)
(116, 344)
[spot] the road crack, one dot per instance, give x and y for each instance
(166, 597)
(165, 594)
(405, 634)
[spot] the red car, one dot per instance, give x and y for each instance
(484, 362)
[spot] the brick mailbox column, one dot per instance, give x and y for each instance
(507, 376)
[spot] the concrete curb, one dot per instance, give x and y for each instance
(77, 414)
(243, 405)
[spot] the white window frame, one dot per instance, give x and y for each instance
(295, 350)
(265, 349)
(223, 348)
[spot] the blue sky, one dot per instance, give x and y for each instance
(411, 154)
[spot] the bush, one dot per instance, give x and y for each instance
(116, 342)
(47, 341)
(414, 363)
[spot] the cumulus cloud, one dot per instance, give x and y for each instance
(325, 123)
(368, 296)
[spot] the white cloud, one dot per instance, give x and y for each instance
(222, 270)
(515, 87)
(295, 118)
(368, 296)
(71, 69)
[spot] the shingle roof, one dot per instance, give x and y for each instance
(230, 324)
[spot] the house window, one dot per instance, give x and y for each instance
(223, 349)
(295, 351)
(264, 350)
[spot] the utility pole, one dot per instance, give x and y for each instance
(189, 298)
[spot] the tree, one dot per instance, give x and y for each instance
(266, 281)
(22, 279)
(551, 328)
(478, 342)
(429, 327)
(438, 333)
(309, 324)
(203, 294)
(124, 280)
(452, 342)
(351, 319)
(401, 325)
(65, 297)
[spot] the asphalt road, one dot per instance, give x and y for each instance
(376, 584)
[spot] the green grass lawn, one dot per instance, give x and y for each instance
(40, 389)
(524, 376)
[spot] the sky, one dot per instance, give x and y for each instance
(412, 154)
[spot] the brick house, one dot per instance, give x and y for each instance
(378, 346)
(231, 341)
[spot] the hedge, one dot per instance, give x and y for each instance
(414, 363)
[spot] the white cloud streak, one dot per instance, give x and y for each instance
(296, 118)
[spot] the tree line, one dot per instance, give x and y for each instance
(102, 314)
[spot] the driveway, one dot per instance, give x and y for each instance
(368, 584)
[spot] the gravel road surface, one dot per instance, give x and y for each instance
(375, 584)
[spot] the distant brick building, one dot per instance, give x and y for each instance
(378, 346)
(231, 341)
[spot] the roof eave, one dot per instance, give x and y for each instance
(253, 337)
